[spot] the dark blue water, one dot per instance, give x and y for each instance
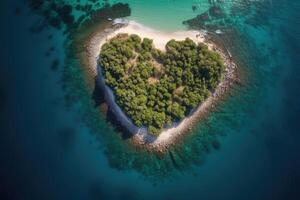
(50, 151)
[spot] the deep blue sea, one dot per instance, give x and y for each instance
(56, 145)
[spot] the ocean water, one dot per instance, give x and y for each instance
(55, 144)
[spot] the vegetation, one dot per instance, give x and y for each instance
(156, 88)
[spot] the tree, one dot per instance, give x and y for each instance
(187, 72)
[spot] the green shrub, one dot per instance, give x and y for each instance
(154, 96)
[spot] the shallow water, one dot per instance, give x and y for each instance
(55, 144)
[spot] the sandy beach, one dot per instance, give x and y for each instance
(159, 38)
(169, 135)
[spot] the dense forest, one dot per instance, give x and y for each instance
(156, 88)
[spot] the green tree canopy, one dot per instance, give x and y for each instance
(157, 88)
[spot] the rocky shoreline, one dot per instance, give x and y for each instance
(168, 136)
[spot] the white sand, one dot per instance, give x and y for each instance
(160, 39)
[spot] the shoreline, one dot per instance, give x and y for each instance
(168, 136)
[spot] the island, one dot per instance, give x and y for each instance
(156, 89)
(158, 84)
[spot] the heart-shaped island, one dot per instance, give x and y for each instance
(157, 84)
(157, 89)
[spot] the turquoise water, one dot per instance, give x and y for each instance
(56, 145)
(165, 15)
